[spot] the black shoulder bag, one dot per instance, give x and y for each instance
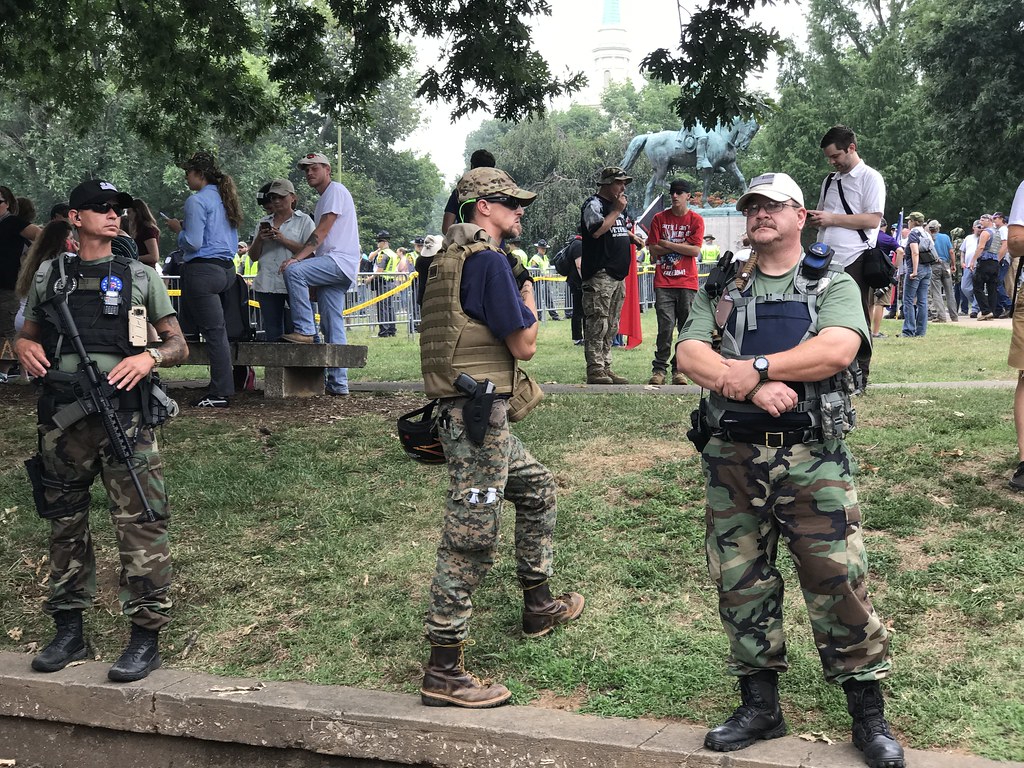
(878, 269)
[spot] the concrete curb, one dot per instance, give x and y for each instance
(373, 726)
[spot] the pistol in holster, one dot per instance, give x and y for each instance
(476, 413)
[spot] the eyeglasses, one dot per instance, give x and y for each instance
(100, 207)
(679, 192)
(509, 202)
(768, 206)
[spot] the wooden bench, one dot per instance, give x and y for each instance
(290, 370)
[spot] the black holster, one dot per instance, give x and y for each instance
(699, 433)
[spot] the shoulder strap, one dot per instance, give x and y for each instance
(846, 205)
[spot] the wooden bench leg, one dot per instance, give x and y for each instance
(281, 382)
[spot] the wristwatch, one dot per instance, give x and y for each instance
(157, 355)
(761, 366)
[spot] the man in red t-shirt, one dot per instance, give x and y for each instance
(675, 238)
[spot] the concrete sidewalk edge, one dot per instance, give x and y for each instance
(372, 725)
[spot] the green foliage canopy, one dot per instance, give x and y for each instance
(241, 66)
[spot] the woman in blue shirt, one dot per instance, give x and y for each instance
(209, 238)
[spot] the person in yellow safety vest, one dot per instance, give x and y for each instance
(384, 260)
(643, 257)
(538, 266)
(710, 251)
(244, 265)
(519, 253)
(539, 260)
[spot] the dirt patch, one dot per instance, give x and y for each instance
(605, 457)
(549, 700)
(912, 549)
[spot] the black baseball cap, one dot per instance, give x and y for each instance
(97, 192)
(680, 185)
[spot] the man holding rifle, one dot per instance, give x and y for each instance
(85, 337)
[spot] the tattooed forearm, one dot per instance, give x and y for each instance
(312, 241)
(173, 346)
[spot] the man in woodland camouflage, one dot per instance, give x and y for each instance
(479, 319)
(106, 295)
(772, 338)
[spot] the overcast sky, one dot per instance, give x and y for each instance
(566, 40)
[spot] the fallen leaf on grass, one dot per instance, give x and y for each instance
(15, 634)
(816, 736)
(976, 590)
(229, 690)
(921, 402)
(958, 414)
(366, 579)
(956, 452)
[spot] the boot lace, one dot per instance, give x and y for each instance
(871, 716)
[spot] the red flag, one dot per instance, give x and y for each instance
(629, 320)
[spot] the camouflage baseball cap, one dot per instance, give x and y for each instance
(491, 182)
(612, 173)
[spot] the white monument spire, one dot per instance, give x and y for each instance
(611, 53)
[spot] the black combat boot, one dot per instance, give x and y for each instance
(140, 658)
(67, 645)
(758, 717)
(446, 683)
(871, 734)
(542, 612)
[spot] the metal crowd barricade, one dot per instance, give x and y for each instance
(385, 298)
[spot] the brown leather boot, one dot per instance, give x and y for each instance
(616, 379)
(446, 683)
(542, 612)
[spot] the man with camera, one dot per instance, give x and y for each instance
(479, 320)
(109, 299)
(776, 465)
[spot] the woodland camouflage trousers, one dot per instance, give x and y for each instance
(805, 494)
(75, 457)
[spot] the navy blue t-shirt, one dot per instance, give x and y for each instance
(489, 294)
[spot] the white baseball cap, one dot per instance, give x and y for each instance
(775, 186)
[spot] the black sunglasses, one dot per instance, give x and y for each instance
(509, 202)
(100, 207)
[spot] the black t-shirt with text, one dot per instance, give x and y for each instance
(610, 251)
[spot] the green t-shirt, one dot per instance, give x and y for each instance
(156, 301)
(838, 306)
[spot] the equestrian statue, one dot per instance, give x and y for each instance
(705, 151)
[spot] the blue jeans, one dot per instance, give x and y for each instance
(273, 315)
(967, 291)
(1004, 298)
(915, 301)
(331, 283)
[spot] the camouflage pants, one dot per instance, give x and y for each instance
(805, 494)
(480, 477)
(75, 457)
(602, 305)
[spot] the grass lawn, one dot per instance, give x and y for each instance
(304, 546)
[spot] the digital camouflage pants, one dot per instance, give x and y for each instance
(804, 494)
(480, 478)
(602, 305)
(75, 457)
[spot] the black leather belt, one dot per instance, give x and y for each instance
(783, 439)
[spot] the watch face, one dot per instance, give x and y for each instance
(761, 363)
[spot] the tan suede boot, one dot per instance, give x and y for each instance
(446, 683)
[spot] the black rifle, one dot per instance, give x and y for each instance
(93, 398)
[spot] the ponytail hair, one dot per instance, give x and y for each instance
(229, 196)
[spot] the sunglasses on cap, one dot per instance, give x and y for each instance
(101, 207)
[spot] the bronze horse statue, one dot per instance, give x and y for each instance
(682, 149)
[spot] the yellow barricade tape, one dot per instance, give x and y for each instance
(375, 299)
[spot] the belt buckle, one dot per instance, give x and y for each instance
(770, 436)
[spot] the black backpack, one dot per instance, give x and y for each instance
(562, 262)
